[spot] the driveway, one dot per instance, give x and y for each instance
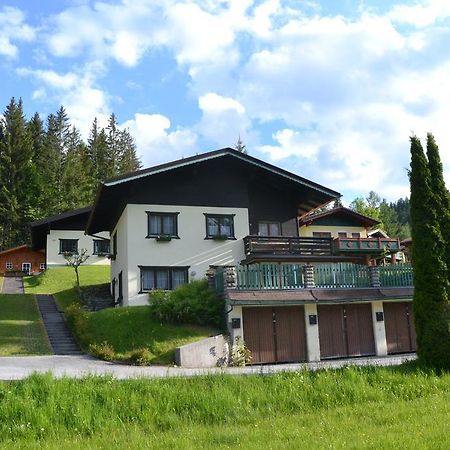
(19, 367)
(12, 285)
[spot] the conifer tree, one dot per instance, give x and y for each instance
(128, 159)
(240, 146)
(17, 176)
(76, 180)
(441, 197)
(431, 302)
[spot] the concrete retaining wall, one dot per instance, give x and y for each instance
(209, 352)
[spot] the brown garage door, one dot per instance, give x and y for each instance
(275, 334)
(345, 330)
(399, 324)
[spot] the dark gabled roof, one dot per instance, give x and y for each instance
(341, 211)
(113, 195)
(62, 216)
(216, 154)
(69, 220)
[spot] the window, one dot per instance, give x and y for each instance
(101, 247)
(322, 234)
(219, 226)
(269, 229)
(162, 224)
(9, 266)
(114, 245)
(68, 246)
(356, 235)
(166, 278)
(342, 234)
(42, 266)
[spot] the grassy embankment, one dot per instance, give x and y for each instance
(21, 329)
(349, 408)
(123, 334)
(60, 282)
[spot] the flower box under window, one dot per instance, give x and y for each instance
(164, 238)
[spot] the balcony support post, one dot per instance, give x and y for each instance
(374, 274)
(230, 278)
(308, 275)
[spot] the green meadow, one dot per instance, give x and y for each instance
(402, 407)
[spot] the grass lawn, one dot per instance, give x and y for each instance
(60, 281)
(357, 408)
(21, 329)
(133, 328)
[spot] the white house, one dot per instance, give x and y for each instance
(63, 233)
(312, 296)
(169, 224)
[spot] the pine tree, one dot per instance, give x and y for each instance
(17, 176)
(240, 146)
(76, 180)
(98, 153)
(431, 303)
(128, 159)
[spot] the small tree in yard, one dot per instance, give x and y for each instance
(75, 260)
(431, 280)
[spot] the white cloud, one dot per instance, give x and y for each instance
(223, 119)
(154, 140)
(13, 28)
(77, 91)
(290, 142)
(420, 14)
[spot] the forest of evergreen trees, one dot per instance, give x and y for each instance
(46, 168)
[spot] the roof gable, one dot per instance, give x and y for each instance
(224, 177)
(342, 216)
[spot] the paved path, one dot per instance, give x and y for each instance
(12, 285)
(19, 367)
(59, 335)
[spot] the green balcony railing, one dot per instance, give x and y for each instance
(399, 275)
(266, 276)
(341, 275)
(269, 276)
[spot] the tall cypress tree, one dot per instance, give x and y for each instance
(431, 283)
(441, 195)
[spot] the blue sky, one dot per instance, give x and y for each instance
(330, 89)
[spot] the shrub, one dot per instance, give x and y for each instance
(192, 303)
(141, 357)
(240, 354)
(76, 318)
(103, 351)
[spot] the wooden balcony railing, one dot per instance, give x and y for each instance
(366, 245)
(281, 245)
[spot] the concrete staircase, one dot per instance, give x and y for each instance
(61, 338)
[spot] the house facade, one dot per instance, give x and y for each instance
(171, 223)
(64, 233)
(248, 225)
(21, 259)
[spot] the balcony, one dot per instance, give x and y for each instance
(321, 276)
(366, 245)
(284, 248)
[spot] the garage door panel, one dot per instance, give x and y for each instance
(412, 327)
(275, 334)
(331, 331)
(290, 333)
(400, 334)
(258, 334)
(359, 327)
